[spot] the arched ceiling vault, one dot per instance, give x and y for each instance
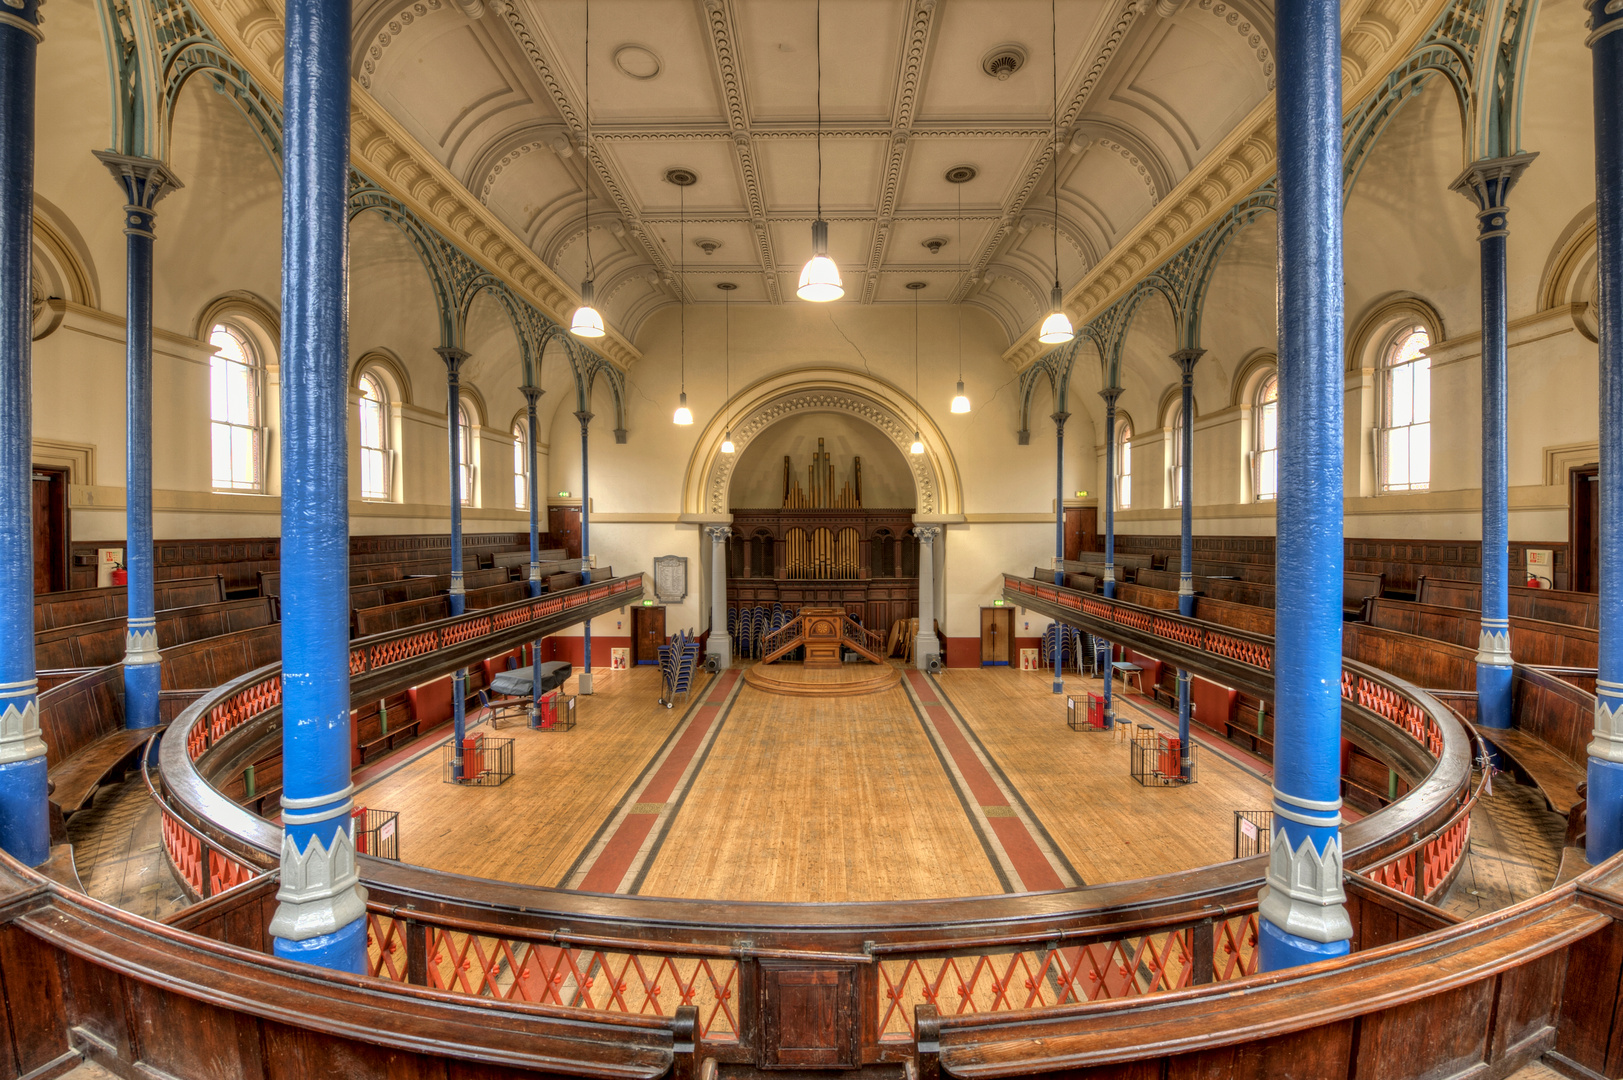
(495, 89)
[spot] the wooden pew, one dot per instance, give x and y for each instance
(96, 644)
(389, 617)
(1253, 572)
(1247, 617)
(1159, 599)
(1426, 662)
(52, 610)
(1549, 605)
(521, 559)
(1532, 641)
(1160, 579)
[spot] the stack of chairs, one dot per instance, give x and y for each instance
(677, 662)
(1058, 638)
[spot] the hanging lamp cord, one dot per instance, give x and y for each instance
(961, 283)
(819, 109)
(681, 268)
(586, 156)
(1053, 56)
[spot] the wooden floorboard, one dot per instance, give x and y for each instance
(1078, 784)
(565, 784)
(807, 799)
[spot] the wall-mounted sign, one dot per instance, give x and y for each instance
(671, 578)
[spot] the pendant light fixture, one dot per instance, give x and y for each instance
(727, 288)
(586, 322)
(683, 179)
(820, 280)
(1056, 329)
(918, 443)
(957, 177)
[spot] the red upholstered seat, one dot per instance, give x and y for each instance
(431, 703)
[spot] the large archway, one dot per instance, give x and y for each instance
(706, 487)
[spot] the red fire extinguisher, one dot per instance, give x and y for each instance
(120, 575)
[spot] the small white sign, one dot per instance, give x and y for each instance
(1248, 829)
(1070, 703)
(106, 560)
(386, 830)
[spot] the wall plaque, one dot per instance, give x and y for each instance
(671, 578)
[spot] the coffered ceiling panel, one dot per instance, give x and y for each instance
(862, 47)
(496, 89)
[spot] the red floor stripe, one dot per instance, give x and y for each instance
(1036, 872)
(621, 850)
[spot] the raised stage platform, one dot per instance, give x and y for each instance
(845, 680)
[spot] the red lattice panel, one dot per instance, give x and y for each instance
(1397, 874)
(1032, 979)
(393, 652)
(1247, 652)
(1138, 620)
(1173, 630)
(185, 852)
(457, 633)
(357, 661)
(1234, 948)
(512, 969)
(1442, 853)
(237, 710)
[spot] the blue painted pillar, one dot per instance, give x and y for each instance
(1606, 751)
(25, 831)
(1186, 360)
(454, 359)
(1110, 394)
(1059, 419)
(1487, 183)
(1302, 909)
(585, 419)
(532, 394)
(143, 183)
(1185, 761)
(321, 907)
(1110, 677)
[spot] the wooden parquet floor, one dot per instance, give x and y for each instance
(532, 828)
(117, 850)
(1515, 850)
(1078, 783)
(820, 799)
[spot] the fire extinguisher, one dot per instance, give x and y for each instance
(120, 575)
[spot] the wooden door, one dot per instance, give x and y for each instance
(50, 530)
(647, 634)
(997, 635)
(1584, 528)
(563, 522)
(1081, 530)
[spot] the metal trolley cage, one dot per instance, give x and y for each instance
(1086, 713)
(486, 762)
(1156, 758)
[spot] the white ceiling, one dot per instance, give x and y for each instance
(496, 89)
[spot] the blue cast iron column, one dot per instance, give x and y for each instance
(1487, 184)
(321, 910)
(1059, 419)
(585, 419)
(1110, 394)
(1302, 909)
(1186, 360)
(143, 183)
(532, 394)
(454, 359)
(1606, 751)
(25, 830)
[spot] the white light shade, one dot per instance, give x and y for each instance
(960, 402)
(918, 445)
(820, 280)
(1056, 329)
(586, 322)
(683, 416)
(727, 445)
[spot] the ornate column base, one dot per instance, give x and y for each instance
(1186, 596)
(1302, 913)
(142, 674)
(25, 820)
(1493, 674)
(1110, 581)
(585, 687)
(1605, 793)
(321, 906)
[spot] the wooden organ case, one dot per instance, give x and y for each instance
(823, 548)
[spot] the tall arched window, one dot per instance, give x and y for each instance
(1124, 464)
(521, 466)
(1265, 458)
(1405, 439)
(465, 447)
(237, 437)
(1177, 455)
(374, 413)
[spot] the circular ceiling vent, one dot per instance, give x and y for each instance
(638, 61)
(1004, 61)
(726, 286)
(681, 177)
(917, 285)
(961, 174)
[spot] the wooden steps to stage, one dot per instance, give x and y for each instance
(795, 680)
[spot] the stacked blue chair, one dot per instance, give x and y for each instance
(677, 663)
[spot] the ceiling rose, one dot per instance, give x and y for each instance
(960, 174)
(638, 61)
(1003, 61)
(681, 177)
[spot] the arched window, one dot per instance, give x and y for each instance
(237, 437)
(521, 466)
(1265, 458)
(465, 454)
(374, 412)
(1405, 439)
(1124, 464)
(1177, 455)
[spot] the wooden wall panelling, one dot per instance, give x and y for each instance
(32, 983)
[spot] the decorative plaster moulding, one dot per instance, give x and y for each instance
(391, 158)
(1375, 36)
